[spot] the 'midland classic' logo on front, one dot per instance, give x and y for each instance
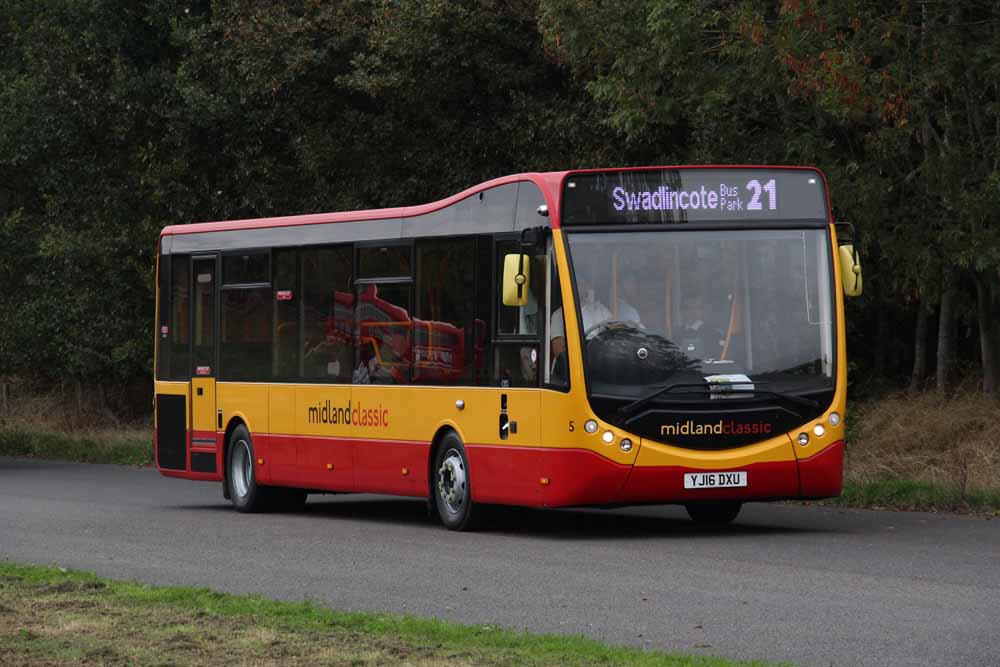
(722, 427)
(327, 413)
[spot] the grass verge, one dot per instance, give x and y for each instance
(128, 447)
(920, 496)
(51, 616)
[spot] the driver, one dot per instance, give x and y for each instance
(593, 312)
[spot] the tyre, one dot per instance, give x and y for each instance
(717, 513)
(451, 490)
(241, 478)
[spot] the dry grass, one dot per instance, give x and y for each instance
(949, 441)
(53, 617)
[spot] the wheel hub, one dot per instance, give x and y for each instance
(451, 482)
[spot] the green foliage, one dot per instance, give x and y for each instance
(121, 117)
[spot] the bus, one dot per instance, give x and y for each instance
(604, 337)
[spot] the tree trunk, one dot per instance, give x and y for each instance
(919, 349)
(946, 331)
(986, 312)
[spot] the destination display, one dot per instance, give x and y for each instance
(693, 195)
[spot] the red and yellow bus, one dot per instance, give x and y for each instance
(598, 337)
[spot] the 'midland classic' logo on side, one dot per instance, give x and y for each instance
(327, 413)
(722, 427)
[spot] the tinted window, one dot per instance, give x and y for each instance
(245, 268)
(446, 334)
(247, 333)
(163, 312)
(180, 318)
(484, 309)
(516, 365)
(286, 315)
(386, 261)
(328, 314)
(204, 316)
(384, 330)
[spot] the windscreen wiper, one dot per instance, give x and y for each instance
(723, 388)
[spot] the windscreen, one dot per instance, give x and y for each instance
(660, 307)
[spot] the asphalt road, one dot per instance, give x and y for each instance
(808, 585)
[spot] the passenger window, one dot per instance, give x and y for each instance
(387, 261)
(556, 363)
(384, 334)
(246, 334)
(445, 335)
(285, 364)
(328, 314)
(180, 318)
(245, 268)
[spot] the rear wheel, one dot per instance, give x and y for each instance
(451, 491)
(244, 492)
(717, 513)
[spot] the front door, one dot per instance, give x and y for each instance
(203, 371)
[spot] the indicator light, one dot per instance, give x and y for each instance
(590, 426)
(626, 445)
(834, 419)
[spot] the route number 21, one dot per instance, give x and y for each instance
(755, 189)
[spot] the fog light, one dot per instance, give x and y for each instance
(626, 445)
(803, 439)
(819, 430)
(608, 437)
(834, 419)
(590, 426)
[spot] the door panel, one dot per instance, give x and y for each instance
(203, 325)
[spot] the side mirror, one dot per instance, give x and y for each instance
(516, 278)
(850, 271)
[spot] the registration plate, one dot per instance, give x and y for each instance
(715, 480)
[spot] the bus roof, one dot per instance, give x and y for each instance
(550, 184)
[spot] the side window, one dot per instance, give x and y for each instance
(328, 314)
(163, 315)
(556, 363)
(384, 334)
(445, 335)
(247, 332)
(517, 354)
(285, 360)
(180, 318)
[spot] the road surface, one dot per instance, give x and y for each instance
(808, 585)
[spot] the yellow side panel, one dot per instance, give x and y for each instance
(281, 412)
(246, 400)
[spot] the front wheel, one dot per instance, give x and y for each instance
(451, 492)
(717, 513)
